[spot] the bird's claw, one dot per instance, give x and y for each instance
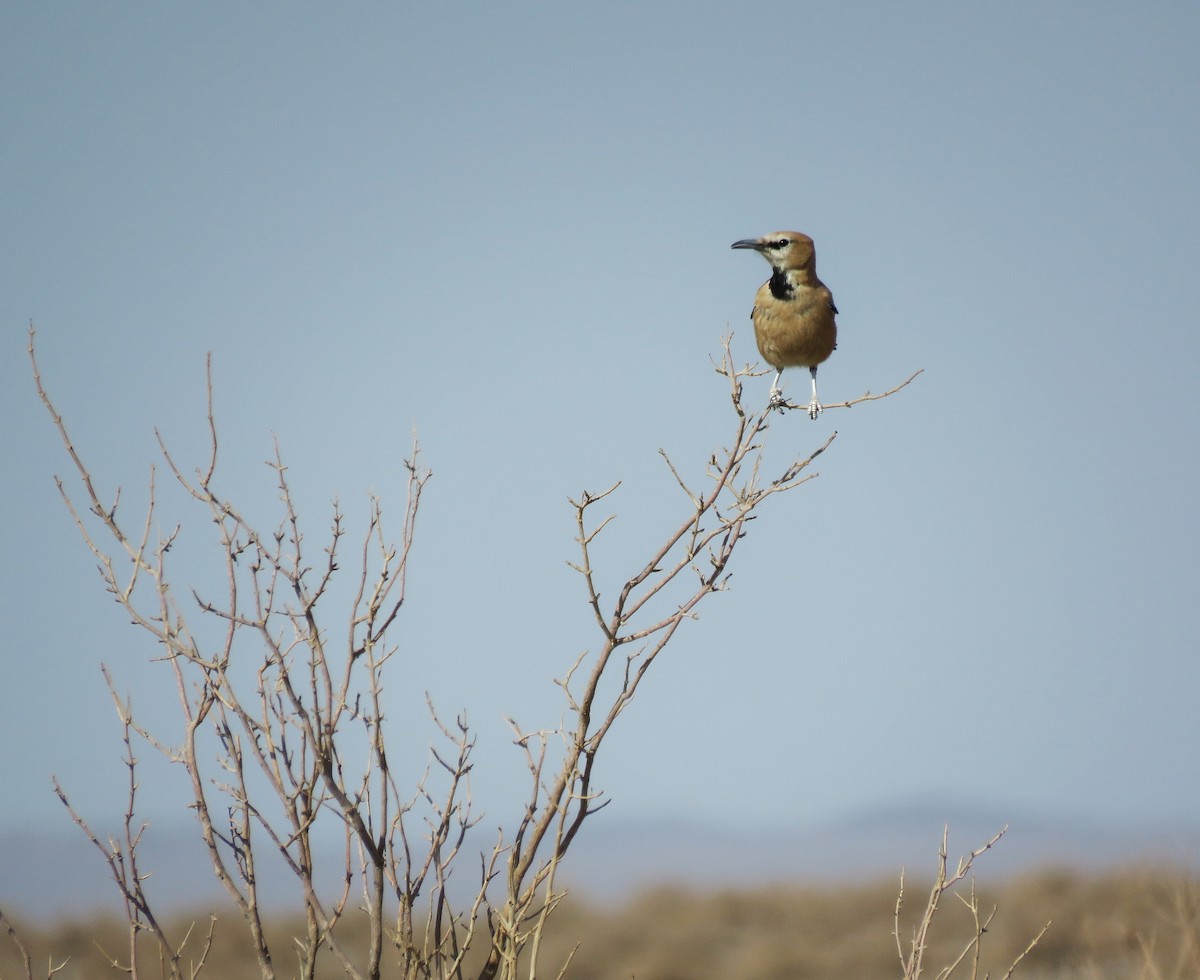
(778, 403)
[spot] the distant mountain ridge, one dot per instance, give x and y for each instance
(865, 845)
(48, 874)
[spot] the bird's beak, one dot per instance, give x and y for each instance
(753, 243)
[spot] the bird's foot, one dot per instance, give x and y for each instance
(814, 409)
(776, 400)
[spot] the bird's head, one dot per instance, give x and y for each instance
(785, 250)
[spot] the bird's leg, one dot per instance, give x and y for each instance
(814, 406)
(776, 399)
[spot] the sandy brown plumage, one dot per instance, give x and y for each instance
(794, 313)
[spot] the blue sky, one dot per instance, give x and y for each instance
(508, 228)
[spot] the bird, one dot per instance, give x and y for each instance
(793, 312)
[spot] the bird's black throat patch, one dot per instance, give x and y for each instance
(780, 287)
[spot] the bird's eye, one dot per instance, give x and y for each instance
(782, 243)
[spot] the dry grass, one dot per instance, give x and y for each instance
(1141, 924)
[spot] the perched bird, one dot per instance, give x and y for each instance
(793, 311)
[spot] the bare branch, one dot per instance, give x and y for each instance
(865, 397)
(645, 613)
(285, 721)
(912, 962)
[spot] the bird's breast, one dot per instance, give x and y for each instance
(799, 331)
